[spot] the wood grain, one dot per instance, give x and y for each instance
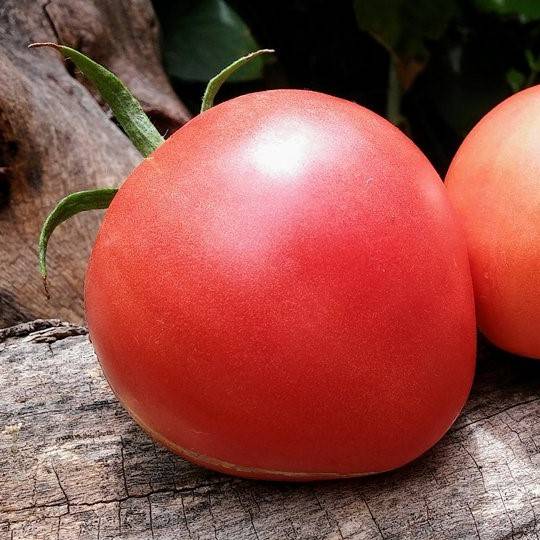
(56, 137)
(74, 465)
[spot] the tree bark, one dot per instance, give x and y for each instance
(74, 465)
(56, 137)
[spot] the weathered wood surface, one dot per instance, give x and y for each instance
(74, 465)
(56, 138)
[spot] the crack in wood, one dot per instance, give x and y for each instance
(150, 516)
(50, 20)
(489, 417)
(60, 485)
(474, 520)
(478, 467)
(373, 518)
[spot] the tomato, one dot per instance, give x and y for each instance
(494, 184)
(281, 291)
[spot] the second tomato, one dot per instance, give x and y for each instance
(494, 183)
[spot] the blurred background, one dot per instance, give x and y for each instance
(433, 67)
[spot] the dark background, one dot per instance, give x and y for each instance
(453, 59)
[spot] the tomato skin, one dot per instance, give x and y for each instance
(494, 184)
(281, 291)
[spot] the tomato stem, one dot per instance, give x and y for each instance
(393, 101)
(216, 82)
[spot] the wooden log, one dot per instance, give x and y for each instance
(56, 138)
(74, 465)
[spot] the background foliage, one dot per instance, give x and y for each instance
(434, 67)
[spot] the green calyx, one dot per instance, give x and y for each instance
(69, 206)
(216, 82)
(136, 125)
(126, 109)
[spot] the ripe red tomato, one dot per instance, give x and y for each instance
(494, 183)
(281, 291)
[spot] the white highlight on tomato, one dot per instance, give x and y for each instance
(282, 150)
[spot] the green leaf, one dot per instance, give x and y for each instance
(69, 206)
(123, 104)
(216, 82)
(203, 37)
(404, 26)
(526, 10)
(515, 79)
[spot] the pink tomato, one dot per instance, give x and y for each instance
(281, 291)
